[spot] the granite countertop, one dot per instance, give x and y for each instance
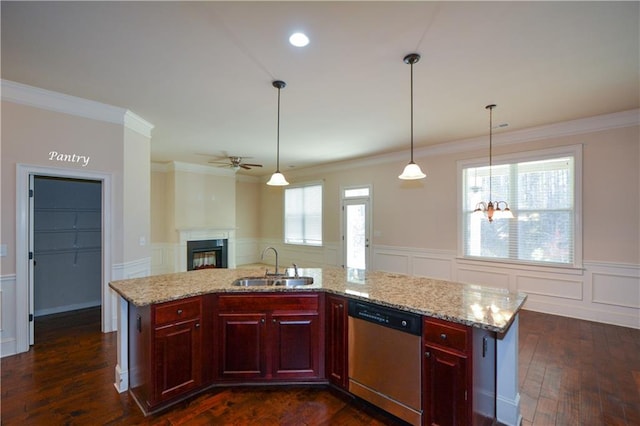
(489, 308)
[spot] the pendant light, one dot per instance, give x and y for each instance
(492, 209)
(277, 179)
(412, 170)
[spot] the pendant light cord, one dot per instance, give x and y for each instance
(412, 111)
(278, 136)
(490, 108)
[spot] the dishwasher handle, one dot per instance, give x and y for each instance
(396, 319)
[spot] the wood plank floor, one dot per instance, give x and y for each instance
(67, 379)
(575, 372)
(572, 372)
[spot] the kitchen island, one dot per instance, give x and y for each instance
(218, 311)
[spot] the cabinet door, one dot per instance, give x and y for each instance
(337, 354)
(177, 359)
(295, 345)
(444, 388)
(242, 345)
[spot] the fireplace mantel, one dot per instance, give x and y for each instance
(196, 234)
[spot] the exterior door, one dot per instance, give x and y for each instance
(356, 234)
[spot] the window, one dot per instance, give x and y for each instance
(303, 215)
(542, 189)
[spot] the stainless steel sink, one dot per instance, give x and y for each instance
(273, 281)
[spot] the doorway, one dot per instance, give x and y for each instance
(356, 227)
(24, 244)
(66, 253)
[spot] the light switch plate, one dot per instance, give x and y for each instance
(3, 250)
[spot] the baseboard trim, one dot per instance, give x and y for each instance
(508, 411)
(122, 380)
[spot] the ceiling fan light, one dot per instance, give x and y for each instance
(412, 172)
(277, 179)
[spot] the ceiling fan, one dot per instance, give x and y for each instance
(235, 163)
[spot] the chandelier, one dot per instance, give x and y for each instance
(492, 209)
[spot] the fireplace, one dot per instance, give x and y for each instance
(205, 254)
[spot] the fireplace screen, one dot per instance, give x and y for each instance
(206, 254)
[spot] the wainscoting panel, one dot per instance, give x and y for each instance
(163, 258)
(487, 277)
(8, 345)
(124, 271)
(554, 287)
(601, 291)
(615, 289)
(303, 256)
(391, 262)
(434, 267)
(247, 251)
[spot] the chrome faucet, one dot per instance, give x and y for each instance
(262, 258)
(295, 269)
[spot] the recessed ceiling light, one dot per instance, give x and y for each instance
(299, 39)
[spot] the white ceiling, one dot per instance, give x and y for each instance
(201, 72)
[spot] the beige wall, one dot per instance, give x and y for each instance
(423, 214)
(29, 134)
(248, 210)
(137, 195)
(186, 197)
(160, 206)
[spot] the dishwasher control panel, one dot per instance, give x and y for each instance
(386, 317)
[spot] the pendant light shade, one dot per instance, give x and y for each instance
(412, 171)
(278, 179)
(492, 209)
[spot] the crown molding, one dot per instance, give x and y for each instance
(580, 126)
(138, 124)
(178, 166)
(248, 179)
(59, 102)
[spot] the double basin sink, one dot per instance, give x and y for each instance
(276, 280)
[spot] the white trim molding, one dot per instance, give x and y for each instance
(23, 171)
(580, 126)
(8, 341)
(599, 291)
(195, 234)
(59, 102)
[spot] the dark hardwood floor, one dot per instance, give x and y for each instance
(67, 379)
(572, 372)
(575, 372)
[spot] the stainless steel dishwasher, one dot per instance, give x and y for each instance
(385, 359)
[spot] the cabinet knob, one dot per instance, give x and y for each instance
(179, 311)
(262, 320)
(427, 354)
(197, 325)
(443, 336)
(274, 320)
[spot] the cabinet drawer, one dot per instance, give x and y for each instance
(448, 335)
(268, 302)
(177, 311)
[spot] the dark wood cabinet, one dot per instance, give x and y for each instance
(337, 340)
(269, 337)
(295, 345)
(177, 359)
(241, 344)
(179, 348)
(458, 386)
(165, 352)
